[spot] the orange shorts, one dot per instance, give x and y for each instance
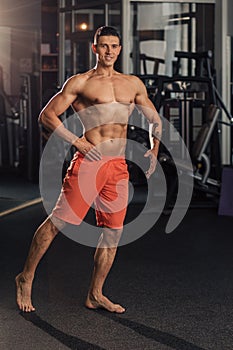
(103, 183)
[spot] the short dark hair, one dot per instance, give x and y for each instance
(105, 30)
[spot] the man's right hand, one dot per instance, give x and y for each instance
(87, 149)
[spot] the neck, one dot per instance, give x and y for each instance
(106, 71)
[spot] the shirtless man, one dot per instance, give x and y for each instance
(104, 99)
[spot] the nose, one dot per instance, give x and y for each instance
(108, 49)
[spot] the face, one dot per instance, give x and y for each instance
(107, 50)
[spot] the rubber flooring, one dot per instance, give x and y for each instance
(177, 288)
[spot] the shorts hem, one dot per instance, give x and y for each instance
(66, 220)
(111, 226)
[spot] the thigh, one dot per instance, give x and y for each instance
(79, 191)
(112, 201)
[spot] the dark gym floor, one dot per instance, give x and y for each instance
(177, 288)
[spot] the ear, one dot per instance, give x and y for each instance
(94, 47)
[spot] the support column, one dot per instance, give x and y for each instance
(223, 70)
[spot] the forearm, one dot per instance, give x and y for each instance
(52, 123)
(155, 125)
(155, 137)
(155, 133)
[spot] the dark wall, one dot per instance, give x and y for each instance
(22, 18)
(230, 14)
(20, 36)
(15, 13)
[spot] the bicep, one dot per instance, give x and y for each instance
(59, 103)
(144, 104)
(65, 97)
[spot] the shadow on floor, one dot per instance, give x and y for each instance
(76, 343)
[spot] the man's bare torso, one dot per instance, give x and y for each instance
(104, 105)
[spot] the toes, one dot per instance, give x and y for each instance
(120, 309)
(28, 308)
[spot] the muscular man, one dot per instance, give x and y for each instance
(104, 99)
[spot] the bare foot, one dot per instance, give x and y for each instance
(23, 293)
(101, 302)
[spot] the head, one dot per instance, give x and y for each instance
(105, 31)
(106, 46)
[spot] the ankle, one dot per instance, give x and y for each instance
(95, 294)
(25, 277)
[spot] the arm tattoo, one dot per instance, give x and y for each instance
(155, 133)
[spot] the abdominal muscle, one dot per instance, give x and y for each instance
(110, 140)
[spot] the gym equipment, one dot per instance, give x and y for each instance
(203, 67)
(201, 165)
(8, 125)
(28, 127)
(192, 105)
(19, 130)
(185, 101)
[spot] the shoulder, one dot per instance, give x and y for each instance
(76, 82)
(80, 78)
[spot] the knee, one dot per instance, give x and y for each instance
(55, 224)
(49, 229)
(111, 237)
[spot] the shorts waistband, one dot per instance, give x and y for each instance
(104, 157)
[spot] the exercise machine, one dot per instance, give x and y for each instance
(19, 144)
